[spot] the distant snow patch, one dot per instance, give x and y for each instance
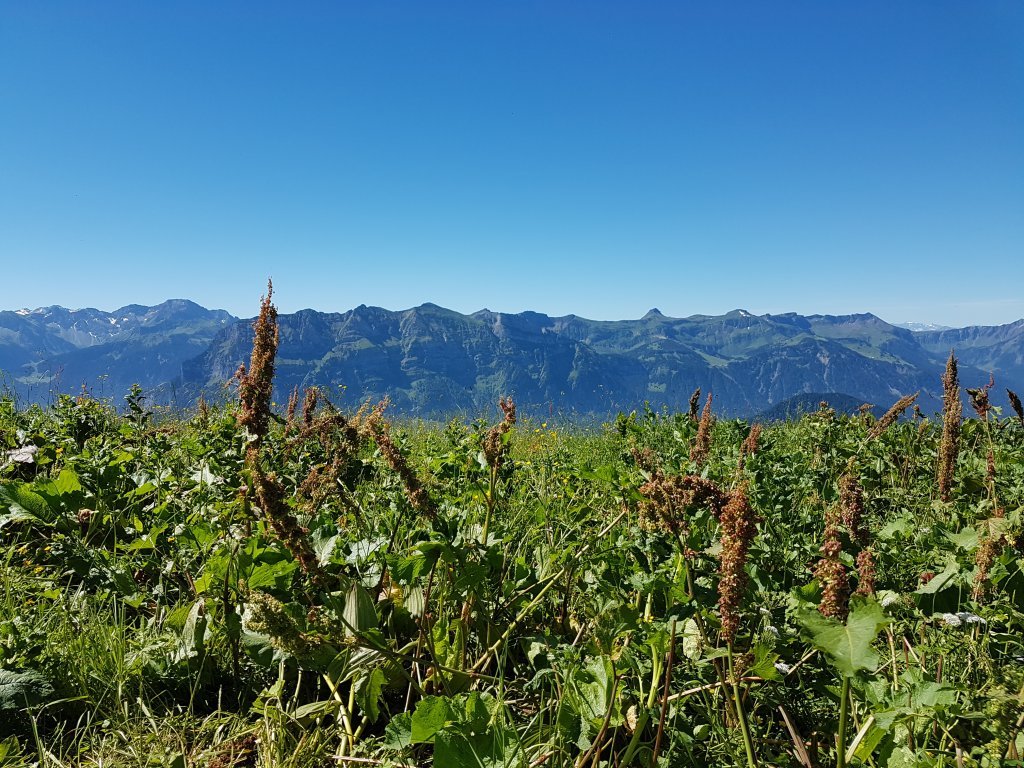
(922, 327)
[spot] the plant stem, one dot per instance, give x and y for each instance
(741, 715)
(844, 702)
(492, 487)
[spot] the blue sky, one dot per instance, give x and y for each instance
(567, 157)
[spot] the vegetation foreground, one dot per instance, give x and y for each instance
(240, 588)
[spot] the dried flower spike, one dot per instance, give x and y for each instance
(1016, 405)
(952, 414)
(694, 404)
(830, 572)
(670, 497)
(979, 398)
(892, 415)
(749, 446)
(380, 431)
(256, 385)
(493, 443)
(702, 442)
(988, 549)
(738, 528)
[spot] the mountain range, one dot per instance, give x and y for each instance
(434, 362)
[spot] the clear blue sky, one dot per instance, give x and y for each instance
(590, 157)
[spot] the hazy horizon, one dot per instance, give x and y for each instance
(251, 313)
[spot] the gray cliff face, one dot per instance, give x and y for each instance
(434, 362)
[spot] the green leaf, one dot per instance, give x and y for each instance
(763, 664)
(847, 646)
(368, 690)
(324, 545)
(431, 715)
(496, 747)
(23, 505)
(966, 539)
(66, 483)
(591, 690)
(398, 733)
(193, 635)
(21, 689)
(360, 612)
(941, 580)
(315, 710)
(269, 576)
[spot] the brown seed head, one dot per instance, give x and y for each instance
(670, 498)
(749, 446)
(293, 404)
(645, 458)
(738, 525)
(256, 384)
(892, 415)
(309, 404)
(979, 398)
(494, 446)
(952, 414)
(380, 431)
(694, 404)
(989, 547)
(831, 574)
(702, 442)
(851, 503)
(1016, 405)
(865, 572)
(270, 496)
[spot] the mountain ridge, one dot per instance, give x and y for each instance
(435, 362)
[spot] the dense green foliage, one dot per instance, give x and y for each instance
(541, 610)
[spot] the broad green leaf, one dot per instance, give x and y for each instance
(20, 504)
(900, 526)
(66, 483)
(18, 689)
(496, 747)
(966, 539)
(847, 646)
(431, 715)
(941, 580)
(193, 635)
(480, 709)
(324, 546)
(867, 740)
(272, 575)
(368, 690)
(763, 664)
(398, 732)
(591, 691)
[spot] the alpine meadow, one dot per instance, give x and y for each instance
(524, 384)
(248, 584)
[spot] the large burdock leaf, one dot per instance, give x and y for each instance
(431, 715)
(847, 646)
